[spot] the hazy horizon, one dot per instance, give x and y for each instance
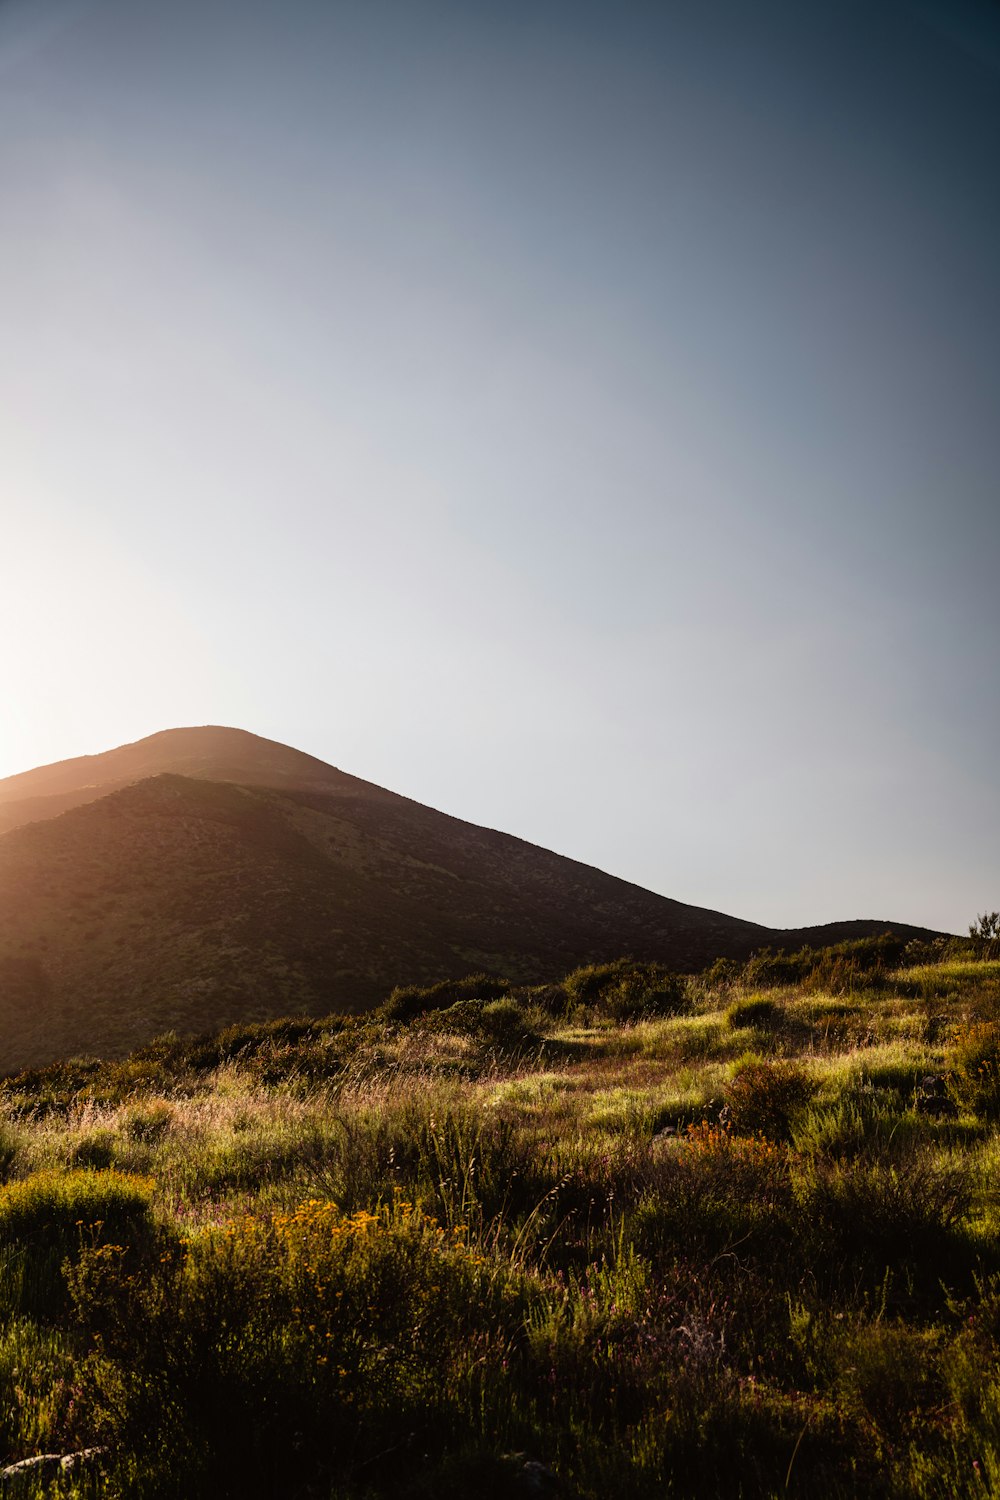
(582, 420)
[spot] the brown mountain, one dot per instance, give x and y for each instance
(203, 876)
(210, 754)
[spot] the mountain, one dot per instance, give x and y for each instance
(211, 753)
(205, 876)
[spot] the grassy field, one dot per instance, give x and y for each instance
(633, 1235)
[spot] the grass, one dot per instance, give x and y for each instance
(659, 1237)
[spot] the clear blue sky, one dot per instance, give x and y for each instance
(583, 418)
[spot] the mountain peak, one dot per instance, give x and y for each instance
(213, 752)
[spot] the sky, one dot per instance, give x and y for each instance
(582, 418)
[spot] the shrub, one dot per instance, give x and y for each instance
(407, 1001)
(627, 991)
(651, 991)
(975, 1069)
(93, 1148)
(274, 1354)
(720, 975)
(461, 1165)
(763, 1098)
(503, 1023)
(859, 1125)
(857, 964)
(757, 1011)
(585, 985)
(551, 999)
(148, 1123)
(52, 1216)
(985, 934)
(923, 951)
(876, 1215)
(718, 1191)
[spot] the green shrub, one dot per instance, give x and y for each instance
(763, 1098)
(461, 1165)
(975, 1069)
(625, 990)
(148, 1123)
(985, 934)
(859, 1125)
(278, 1355)
(250, 1160)
(93, 1148)
(586, 984)
(874, 1215)
(717, 1191)
(502, 1023)
(551, 999)
(720, 975)
(840, 969)
(407, 1001)
(52, 1216)
(756, 1011)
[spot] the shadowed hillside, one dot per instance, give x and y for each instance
(262, 881)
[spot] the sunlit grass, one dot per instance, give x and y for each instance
(654, 1254)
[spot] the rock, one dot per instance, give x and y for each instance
(45, 1467)
(932, 1097)
(82, 1460)
(27, 1471)
(537, 1479)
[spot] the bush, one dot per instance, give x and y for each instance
(975, 1069)
(839, 969)
(461, 1165)
(502, 1023)
(277, 1353)
(718, 1191)
(757, 1011)
(859, 1124)
(877, 1215)
(93, 1148)
(764, 1098)
(150, 1123)
(720, 975)
(50, 1217)
(628, 991)
(985, 934)
(407, 1001)
(551, 999)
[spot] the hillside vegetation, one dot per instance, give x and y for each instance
(631, 1234)
(207, 877)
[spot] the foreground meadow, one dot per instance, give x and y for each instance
(632, 1235)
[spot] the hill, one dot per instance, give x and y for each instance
(209, 753)
(207, 876)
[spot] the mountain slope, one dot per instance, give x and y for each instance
(263, 882)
